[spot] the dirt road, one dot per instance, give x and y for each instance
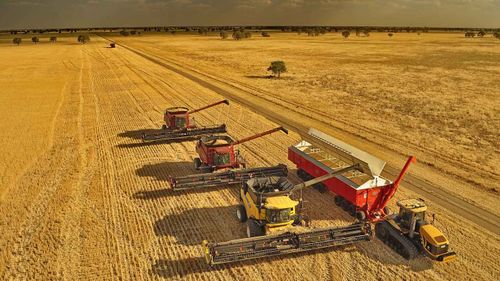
(94, 203)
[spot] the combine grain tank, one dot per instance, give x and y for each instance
(362, 192)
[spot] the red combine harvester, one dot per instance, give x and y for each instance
(217, 153)
(363, 192)
(180, 126)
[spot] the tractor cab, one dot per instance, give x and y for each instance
(411, 221)
(177, 118)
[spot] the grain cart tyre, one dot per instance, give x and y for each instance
(197, 163)
(360, 215)
(164, 127)
(345, 205)
(241, 213)
(254, 229)
(338, 200)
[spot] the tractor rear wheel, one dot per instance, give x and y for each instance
(254, 229)
(241, 213)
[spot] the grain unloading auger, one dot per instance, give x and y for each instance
(217, 153)
(180, 126)
(267, 208)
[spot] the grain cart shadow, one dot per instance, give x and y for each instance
(192, 226)
(378, 251)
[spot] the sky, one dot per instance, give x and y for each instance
(96, 13)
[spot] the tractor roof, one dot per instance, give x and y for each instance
(280, 202)
(415, 205)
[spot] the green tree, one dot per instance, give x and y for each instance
(124, 33)
(481, 33)
(277, 67)
(238, 35)
(35, 39)
(390, 34)
(223, 35)
(53, 39)
(496, 35)
(83, 38)
(265, 34)
(346, 33)
(17, 40)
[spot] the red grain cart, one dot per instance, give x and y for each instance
(363, 193)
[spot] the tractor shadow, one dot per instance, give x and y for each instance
(162, 172)
(379, 252)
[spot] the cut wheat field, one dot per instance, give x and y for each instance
(82, 199)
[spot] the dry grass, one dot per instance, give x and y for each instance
(85, 201)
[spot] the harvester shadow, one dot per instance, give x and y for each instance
(163, 171)
(185, 267)
(137, 135)
(191, 227)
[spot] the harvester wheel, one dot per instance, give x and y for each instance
(360, 215)
(197, 163)
(254, 229)
(206, 169)
(345, 205)
(164, 127)
(241, 213)
(338, 200)
(351, 210)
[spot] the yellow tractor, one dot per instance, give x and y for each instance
(408, 233)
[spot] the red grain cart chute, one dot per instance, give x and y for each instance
(363, 192)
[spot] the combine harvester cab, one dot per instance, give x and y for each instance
(219, 153)
(272, 215)
(179, 125)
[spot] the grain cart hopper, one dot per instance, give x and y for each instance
(267, 208)
(180, 126)
(365, 194)
(217, 153)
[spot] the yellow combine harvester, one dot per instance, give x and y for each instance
(271, 215)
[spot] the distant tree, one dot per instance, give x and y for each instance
(133, 32)
(124, 33)
(265, 34)
(173, 32)
(496, 35)
(17, 41)
(223, 35)
(481, 33)
(83, 38)
(203, 31)
(238, 35)
(277, 67)
(346, 33)
(35, 39)
(366, 33)
(390, 34)
(247, 34)
(53, 39)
